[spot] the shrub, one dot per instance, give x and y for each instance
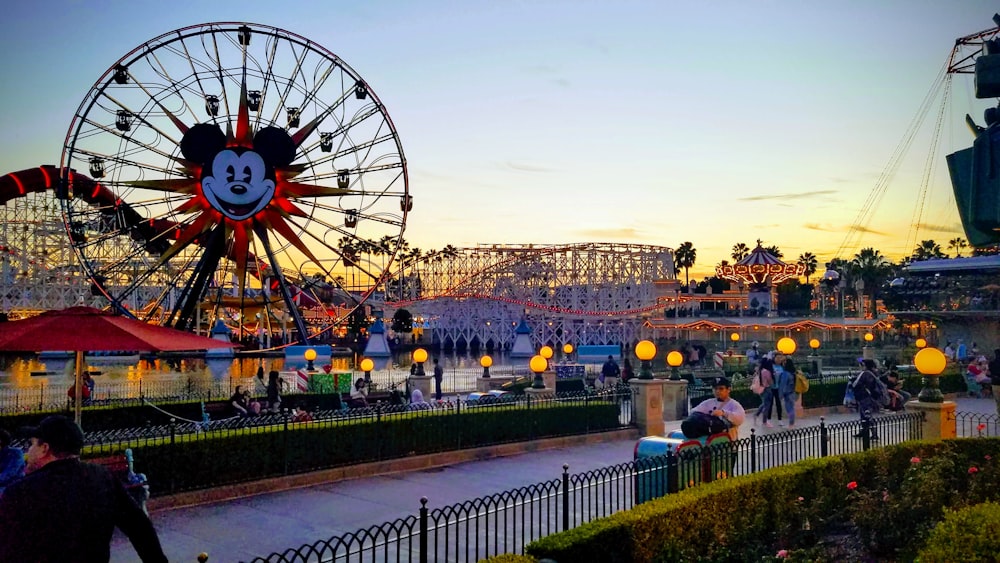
(789, 508)
(968, 535)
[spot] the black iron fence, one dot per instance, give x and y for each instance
(976, 424)
(192, 455)
(506, 522)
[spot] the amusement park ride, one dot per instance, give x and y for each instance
(224, 162)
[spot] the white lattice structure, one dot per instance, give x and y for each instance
(588, 293)
(38, 270)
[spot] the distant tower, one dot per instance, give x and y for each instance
(522, 342)
(378, 346)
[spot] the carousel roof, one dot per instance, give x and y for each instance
(760, 267)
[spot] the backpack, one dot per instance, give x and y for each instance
(756, 385)
(699, 424)
(801, 383)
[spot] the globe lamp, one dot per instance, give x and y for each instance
(419, 357)
(674, 360)
(921, 343)
(310, 356)
(930, 362)
(486, 361)
(645, 351)
(367, 365)
(786, 346)
(538, 365)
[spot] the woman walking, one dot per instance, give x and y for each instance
(766, 370)
(784, 368)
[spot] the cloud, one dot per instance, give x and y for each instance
(521, 167)
(801, 195)
(832, 229)
(612, 234)
(940, 228)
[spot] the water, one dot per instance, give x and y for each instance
(16, 372)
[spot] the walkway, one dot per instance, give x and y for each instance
(255, 526)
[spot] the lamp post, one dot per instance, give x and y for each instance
(310, 356)
(419, 357)
(734, 338)
(674, 360)
(645, 351)
(486, 361)
(567, 350)
(930, 363)
(367, 365)
(817, 366)
(867, 352)
(538, 364)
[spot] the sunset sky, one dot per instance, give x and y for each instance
(652, 122)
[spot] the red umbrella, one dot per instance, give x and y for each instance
(83, 329)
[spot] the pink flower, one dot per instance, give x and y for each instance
(782, 554)
(914, 459)
(987, 457)
(852, 485)
(801, 499)
(973, 469)
(885, 495)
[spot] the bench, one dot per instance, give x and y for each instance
(120, 465)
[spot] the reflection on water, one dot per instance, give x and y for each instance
(16, 371)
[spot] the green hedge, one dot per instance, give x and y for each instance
(969, 535)
(195, 461)
(891, 500)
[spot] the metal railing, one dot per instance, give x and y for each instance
(185, 456)
(506, 522)
(976, 424)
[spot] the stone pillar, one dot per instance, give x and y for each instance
(816, 365)
(867, 353)
(423, 382)
(648, 404)
(675, 399)
(549, 377)
(939, 419)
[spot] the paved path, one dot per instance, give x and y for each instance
(244, 528)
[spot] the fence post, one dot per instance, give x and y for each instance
(866, 437)
(423, 529)
(565, 497)
(673, 475)
(285, 445)
(753, 450)
(824, 437)
(41, 397)
(173, 453)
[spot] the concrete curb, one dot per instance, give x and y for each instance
(414, 463)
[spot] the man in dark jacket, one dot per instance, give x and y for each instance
(995, 377)
(66, 510)
(868, 394)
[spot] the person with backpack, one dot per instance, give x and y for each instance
(766, 373)
(784, 371)
(726, 413)
(868, 394)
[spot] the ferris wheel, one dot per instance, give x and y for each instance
(232, 163)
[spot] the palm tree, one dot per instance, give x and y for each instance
(684, 257)
(811, 262)
(957, 244)
(926, 250)
(740, 251)
(773, 251)
(871, 268)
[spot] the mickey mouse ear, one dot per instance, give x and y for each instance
(202, 142)
(275, 145)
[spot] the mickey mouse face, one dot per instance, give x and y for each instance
(238, 185)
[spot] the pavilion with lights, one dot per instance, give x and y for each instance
(755, 277)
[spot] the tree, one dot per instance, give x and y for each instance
(684, 257)
(871, 268)
(926, 250)
(774, 251)
(740, 251)
(402, 321)
(957, 244)
(812, 264)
